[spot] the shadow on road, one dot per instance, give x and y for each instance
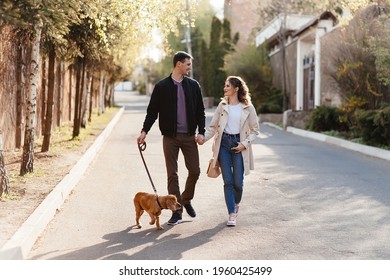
(156, 245)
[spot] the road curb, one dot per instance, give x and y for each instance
(363, 149)
(20, 244)
(367, 150)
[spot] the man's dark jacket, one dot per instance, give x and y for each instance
(163, 104)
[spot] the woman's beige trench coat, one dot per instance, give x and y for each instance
(249, 129)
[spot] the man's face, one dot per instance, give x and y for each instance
(186, 66)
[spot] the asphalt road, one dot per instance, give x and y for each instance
(306, 200)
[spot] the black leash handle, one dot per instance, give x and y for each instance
(141, 148)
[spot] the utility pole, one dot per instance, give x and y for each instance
(285, 74)
(188, 33)
(283, 46)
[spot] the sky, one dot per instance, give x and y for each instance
(218, 5)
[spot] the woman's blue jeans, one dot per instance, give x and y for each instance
(232, 167)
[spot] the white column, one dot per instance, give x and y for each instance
(317, 57)
(299, 94)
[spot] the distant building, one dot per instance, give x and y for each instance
(243, 19)
(301, 76)
(124, 86)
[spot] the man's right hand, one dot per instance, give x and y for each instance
(141, 138)
(199, 139)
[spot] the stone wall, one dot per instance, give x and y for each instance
(208, 102)
(272, 118)
(296, 119)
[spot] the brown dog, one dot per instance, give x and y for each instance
(153, 204)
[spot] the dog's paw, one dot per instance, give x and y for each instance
(139, 226)
(151, 222)
(160, 228)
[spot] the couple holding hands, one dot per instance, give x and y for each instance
(178, 104)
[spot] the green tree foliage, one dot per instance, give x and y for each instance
(201, 14)
(93, 35)
(54, 15)
(373, 126)
(325, 118)
(197, 38)
(215, 77)
(221, 43)
(361, 60)
(209, 59)
(253, 65)
(379, 46)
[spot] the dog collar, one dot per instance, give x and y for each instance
(158, 202)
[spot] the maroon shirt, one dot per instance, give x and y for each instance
(181, 108)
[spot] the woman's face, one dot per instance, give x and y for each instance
(229, 90)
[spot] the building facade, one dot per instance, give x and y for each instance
(243, 19)
(294, 43)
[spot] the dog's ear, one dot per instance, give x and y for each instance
(172, 203)
(169, 203)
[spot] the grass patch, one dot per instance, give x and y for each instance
(61, 138)
(61, 142)
(11, 195)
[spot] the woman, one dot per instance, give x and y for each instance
(234, 127)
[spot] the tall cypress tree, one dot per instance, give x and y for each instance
(204, 66)
(215, 59)
(221, 43)
(196, 40)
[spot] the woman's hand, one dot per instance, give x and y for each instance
(238, 149)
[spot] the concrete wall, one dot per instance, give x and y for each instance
(291, 75)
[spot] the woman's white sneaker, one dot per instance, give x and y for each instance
(231, 220)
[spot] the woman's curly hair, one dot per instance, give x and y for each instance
(243, 91)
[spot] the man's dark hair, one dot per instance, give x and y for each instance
(180, 56)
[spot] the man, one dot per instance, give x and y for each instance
(178, 103)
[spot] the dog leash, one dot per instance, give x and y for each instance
(141, 148)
